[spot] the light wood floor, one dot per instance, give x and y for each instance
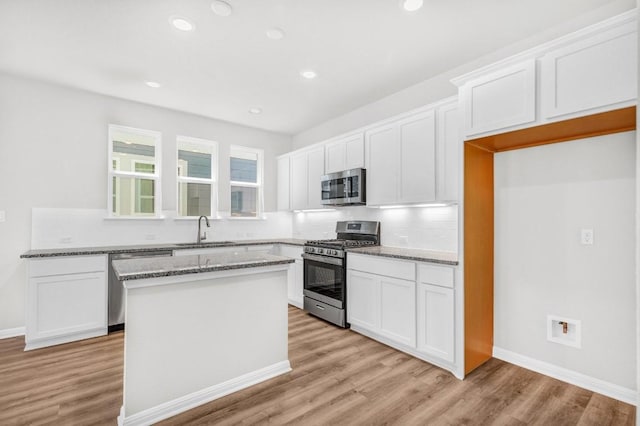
(338, 378)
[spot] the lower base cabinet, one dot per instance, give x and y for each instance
(66, 300)
(412, 311)
(435, 321)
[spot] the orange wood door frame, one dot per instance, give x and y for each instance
(479, 218)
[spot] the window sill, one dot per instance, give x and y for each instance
(191, 218)
(135, 217)
(261, 217)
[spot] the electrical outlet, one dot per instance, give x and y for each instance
(3, 216)
(66, 240)
(586, 237)
(150, 237)
(404, 239)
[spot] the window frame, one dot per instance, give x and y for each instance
(259, 185)
(156, 176)
(213, 182)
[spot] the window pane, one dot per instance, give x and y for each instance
(244, 201)
(131, 148)
(133, 196)
(194, 199)
(194, 164)
(245, 168)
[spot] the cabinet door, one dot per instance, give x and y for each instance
(284, 189)
(417, 158)
(63, 305)
(435, 321)
(316, 170)
(448, 153)
(397, 310)
(299, 181)
(335, 156)
(363, 300)
(383, 163)
(501, 99)
(354, 152)
(593, 73)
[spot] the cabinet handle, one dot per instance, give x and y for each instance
(320, 307)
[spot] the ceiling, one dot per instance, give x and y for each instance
(362, 50)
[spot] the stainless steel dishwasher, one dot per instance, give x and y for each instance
(117, 294)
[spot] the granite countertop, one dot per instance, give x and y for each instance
(137, 269)
(84, 251)
(444, 257)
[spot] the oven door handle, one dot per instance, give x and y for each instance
(323, 259)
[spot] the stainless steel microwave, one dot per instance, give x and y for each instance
(346, 188)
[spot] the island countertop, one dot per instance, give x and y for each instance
(143, 268)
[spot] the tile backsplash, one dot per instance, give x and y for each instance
(431, 228)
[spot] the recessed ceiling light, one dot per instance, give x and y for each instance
(221, 8)
(153, 84)
(255, 110)
(275, 33)
(309, 74)
(411, 5)
(181, 24)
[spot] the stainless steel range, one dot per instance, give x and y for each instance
(325, 269)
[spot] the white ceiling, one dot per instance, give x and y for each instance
(362, 50)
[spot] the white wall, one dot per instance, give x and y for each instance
(544, 196)
(431, 228)
(53, 154)
(440, 87)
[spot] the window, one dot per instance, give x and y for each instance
(134, 175)
(246, 181)
(197, 177)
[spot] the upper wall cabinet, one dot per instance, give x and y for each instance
(345, 153)
(500, 99)
(589, 71)
(594, 73)
(284, 177)
(414, 159)
(307, 168)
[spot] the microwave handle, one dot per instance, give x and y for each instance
(347, 188)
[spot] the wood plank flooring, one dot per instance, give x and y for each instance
(338, 377)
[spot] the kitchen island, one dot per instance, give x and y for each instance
(199, 328)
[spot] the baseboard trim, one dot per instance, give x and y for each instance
(59, 340)
(11, 332)
(179, 405)
(573, 377)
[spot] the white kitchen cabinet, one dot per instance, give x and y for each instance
(398, 310)
(307, 168)
(501, 99)
(284, 183)
(315, 166)
(381, 304)
(448, 145)
(344, 154)
(295, 278)
(66, 300)
(401, 161)
(417, 158)
(435, 311)
(383, 164)
(592, 74)
(363, 300)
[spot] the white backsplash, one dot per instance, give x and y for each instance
(61, 228)
(431, 228)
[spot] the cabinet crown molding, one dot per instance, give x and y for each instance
(627, 19)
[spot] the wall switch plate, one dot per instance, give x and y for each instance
(586, 237)
(3, 216)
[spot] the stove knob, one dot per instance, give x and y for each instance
(320, 251)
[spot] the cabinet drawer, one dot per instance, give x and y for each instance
(67, 265)
(437, 275)
(290, 251)
(382, 266)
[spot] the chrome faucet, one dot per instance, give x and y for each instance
(200, 236)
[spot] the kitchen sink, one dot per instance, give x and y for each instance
(207, 244)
